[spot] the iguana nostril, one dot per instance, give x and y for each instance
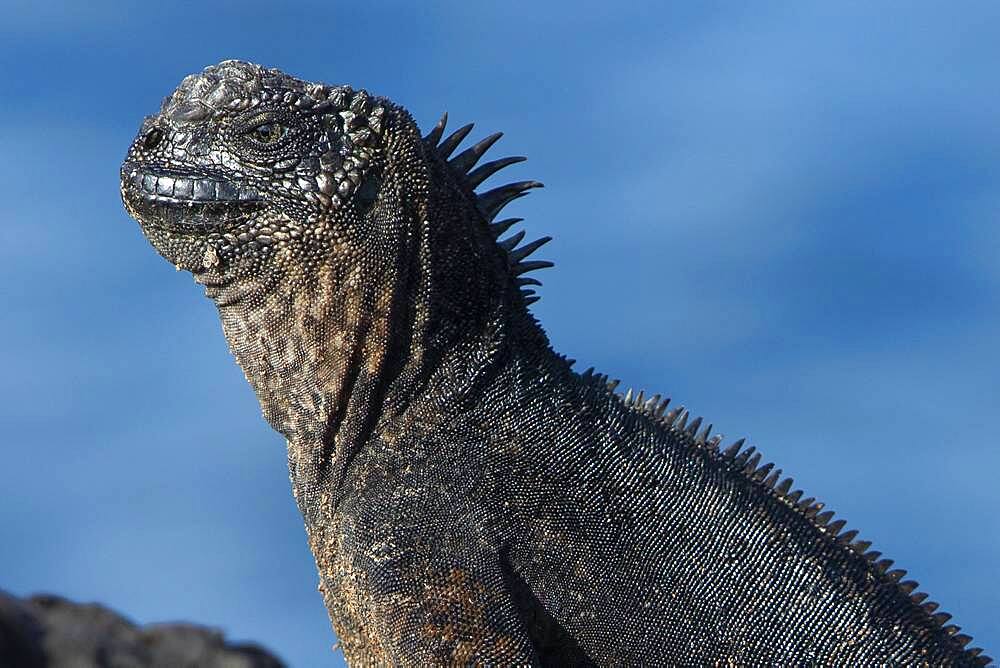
(152, 139)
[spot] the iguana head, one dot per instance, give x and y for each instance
(246, 168)
(248, 171)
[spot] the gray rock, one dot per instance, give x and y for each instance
(46, 631)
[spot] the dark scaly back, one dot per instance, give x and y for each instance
(740, 464)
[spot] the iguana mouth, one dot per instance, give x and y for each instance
(184, 200)
(171, 187)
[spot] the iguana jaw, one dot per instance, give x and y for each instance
(185, 201)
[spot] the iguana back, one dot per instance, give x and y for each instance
(468, 496)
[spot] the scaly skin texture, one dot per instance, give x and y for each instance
(468, 496)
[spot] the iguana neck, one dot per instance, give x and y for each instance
(343, 357)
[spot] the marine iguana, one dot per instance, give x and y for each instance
(467, 495)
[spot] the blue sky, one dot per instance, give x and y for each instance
(784, 218)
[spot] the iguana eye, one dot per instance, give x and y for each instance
(268, 133)
(152, 139)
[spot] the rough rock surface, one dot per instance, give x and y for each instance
(46, 631)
